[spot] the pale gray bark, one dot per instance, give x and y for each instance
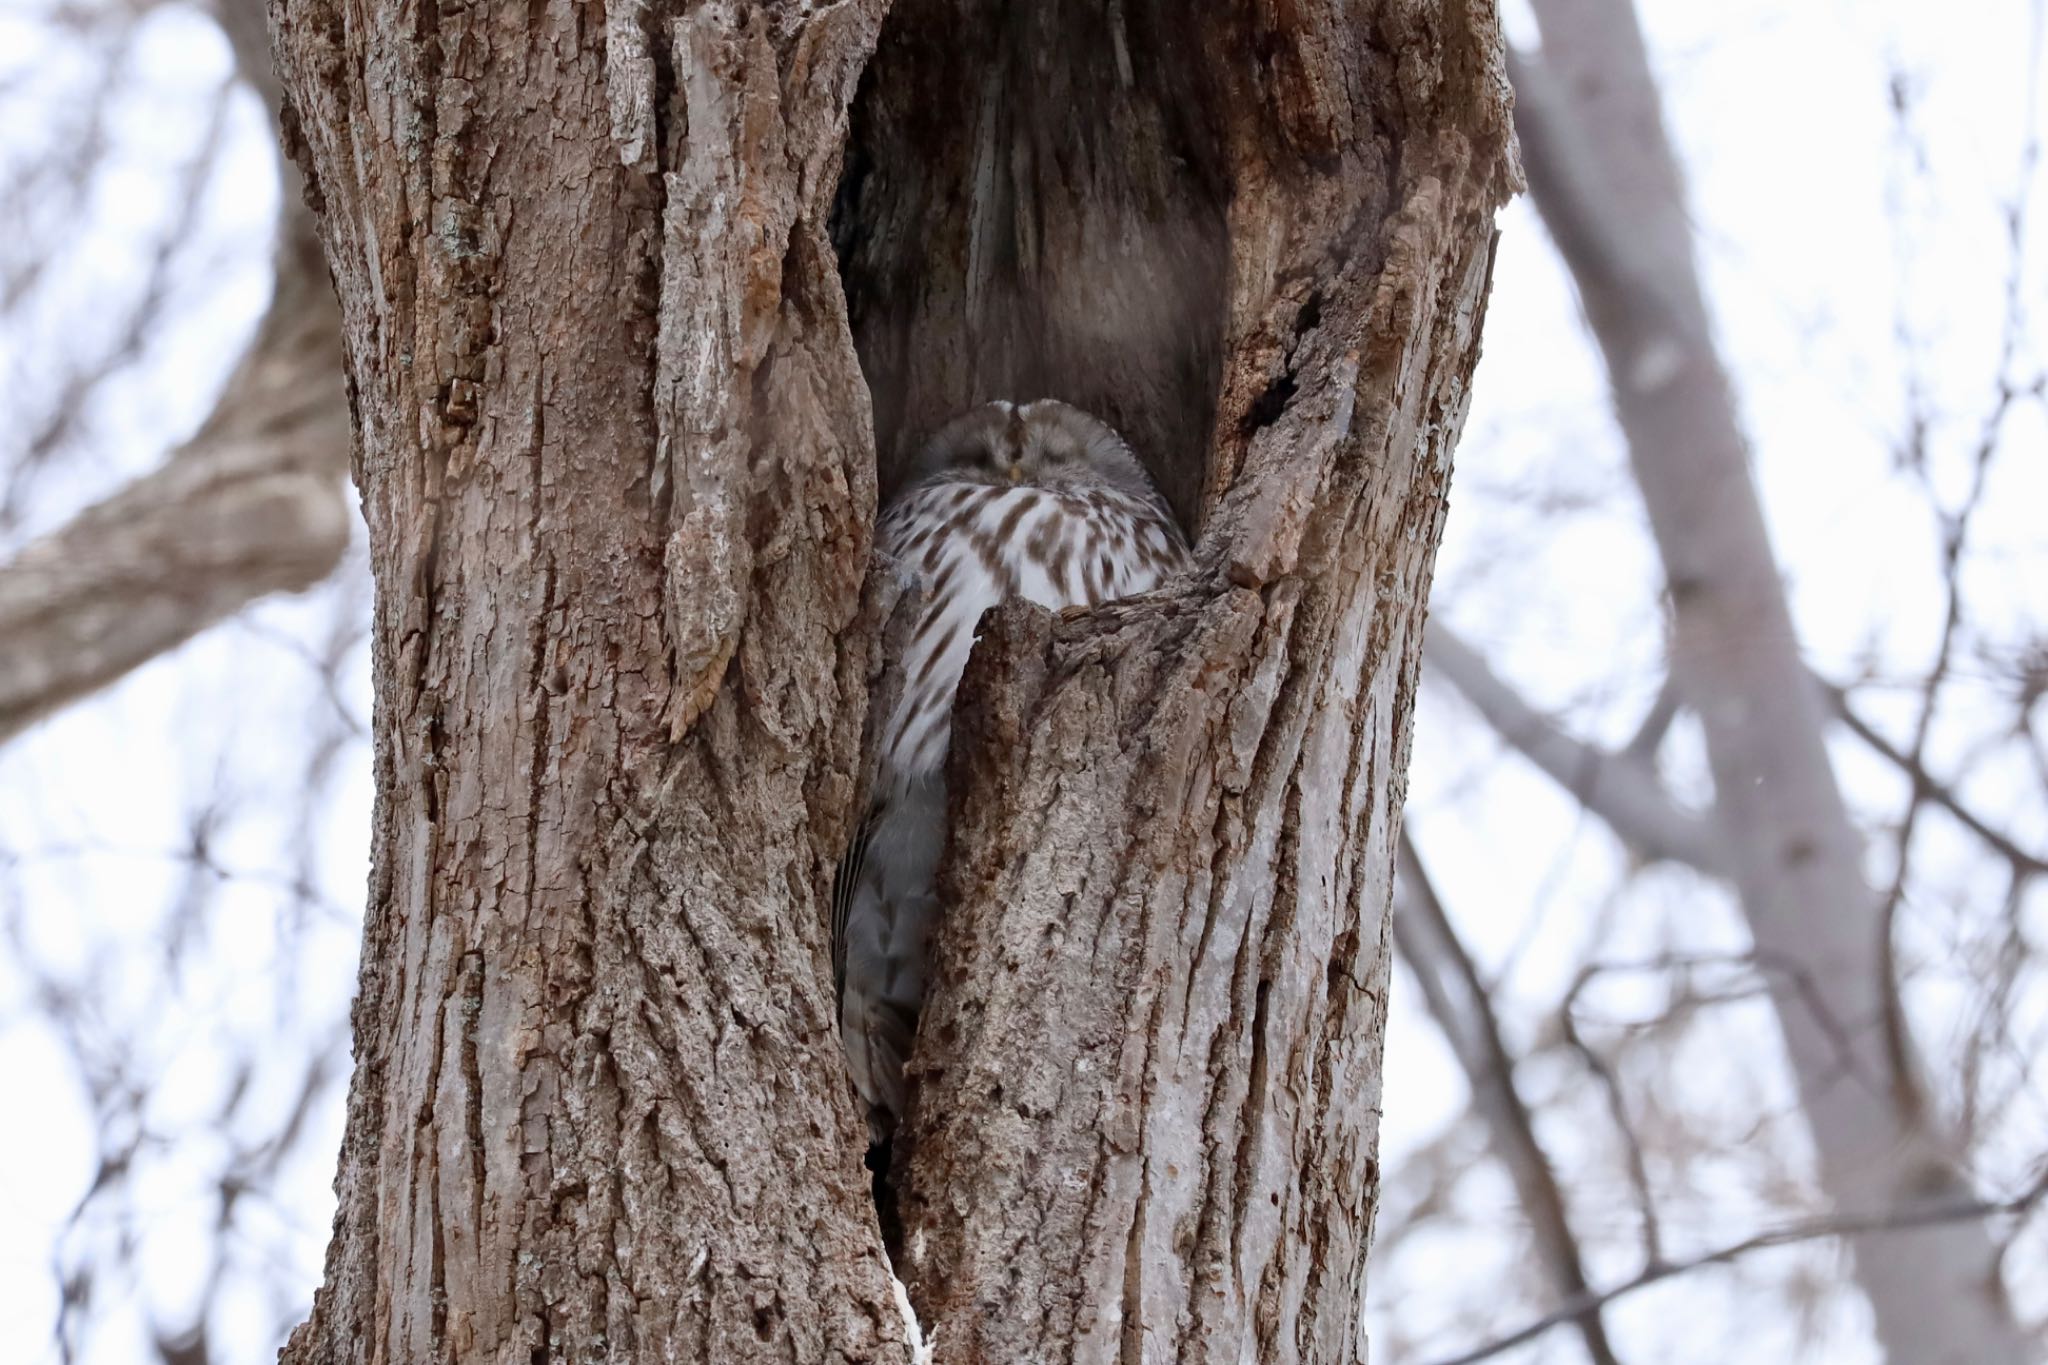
(1605, 179)
(619, 467)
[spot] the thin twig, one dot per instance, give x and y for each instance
(1463, 1009)
(1940, 793)
(1815, 1229)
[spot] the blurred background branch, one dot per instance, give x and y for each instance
(252, 504)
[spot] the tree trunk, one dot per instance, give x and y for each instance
(1604, 176)
(623, 414)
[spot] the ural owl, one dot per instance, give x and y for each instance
(1037, 500)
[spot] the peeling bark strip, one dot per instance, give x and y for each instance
(619, 469)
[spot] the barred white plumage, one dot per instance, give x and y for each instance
(1036, 500)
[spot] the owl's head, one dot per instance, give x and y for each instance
(1045, 444)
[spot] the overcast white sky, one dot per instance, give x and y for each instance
(1825, 233)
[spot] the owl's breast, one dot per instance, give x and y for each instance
(962, 548)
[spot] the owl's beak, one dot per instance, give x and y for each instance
(1016, 471)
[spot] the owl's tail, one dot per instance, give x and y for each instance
(883, 942)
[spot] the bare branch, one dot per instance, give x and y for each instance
(1649, 736)
(1604, 176)
(1929, 787)
(35, 440)
(1593, 241)
(1459, 1002)
(1932, 1213)
(248, 34)
(1617, 1113)
(251, 505)
(1623, 791)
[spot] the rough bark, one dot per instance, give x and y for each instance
(1604, 177)
(619, 466)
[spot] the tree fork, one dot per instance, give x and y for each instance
(630, 358)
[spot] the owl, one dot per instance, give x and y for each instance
(1035, 500)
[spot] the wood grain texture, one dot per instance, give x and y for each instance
(608, 411)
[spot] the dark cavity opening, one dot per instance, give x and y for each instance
(1033, 205)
